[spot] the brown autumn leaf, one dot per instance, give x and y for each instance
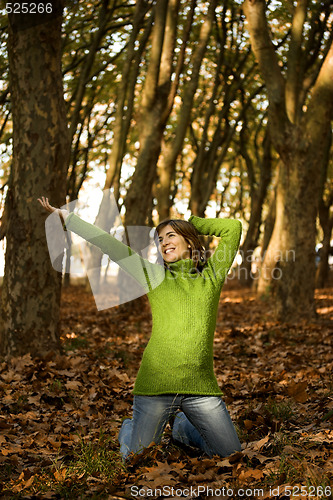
(29, 482)
(297, 390)
(159, 470)
(73, 385)
(248, 424)
(256, 359)
(257, 445)
(224, 463)
(202, 477)
(60, 475)
(248, 474)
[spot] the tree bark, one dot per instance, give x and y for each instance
(108, 210)
(220, 123)
(269, 221)
(31, 287)
(152, 117)
(166, 167)
(104, 16)
(326, 222)
(258, 191)
(299, 133)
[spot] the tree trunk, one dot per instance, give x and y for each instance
(31, 287)
(325, 219)
(66, 278)
(166, 168)
(269, 222)
(104, 16)
(251, 241)
(323, 266)
(258, 191)
(153, 115)
(168, 162)
(326, 222)
(299, 130)
(152, 119)
(108, 210)
(288, 268)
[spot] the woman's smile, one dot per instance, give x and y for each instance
(168, 250)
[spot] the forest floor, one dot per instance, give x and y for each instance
(60, 417)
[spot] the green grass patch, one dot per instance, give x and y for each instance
(281, 410)
(97, 459)
(76, 343)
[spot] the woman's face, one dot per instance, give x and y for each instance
(172, 246)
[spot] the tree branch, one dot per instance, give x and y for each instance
(152, 77)
(104, 16)
(265, 54)
(320, 109)
(294, 73)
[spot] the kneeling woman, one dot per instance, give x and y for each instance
(176, 371)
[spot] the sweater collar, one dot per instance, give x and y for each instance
(183, 265)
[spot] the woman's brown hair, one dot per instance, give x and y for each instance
(191, 236)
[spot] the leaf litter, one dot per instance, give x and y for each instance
(60, 416)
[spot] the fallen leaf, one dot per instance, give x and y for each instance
(297, 390)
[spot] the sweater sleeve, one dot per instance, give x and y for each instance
(147, 274)
(229, 231)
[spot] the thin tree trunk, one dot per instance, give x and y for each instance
(105, 14)
(269, 222)
(66, 279)
(31, 288)
(166, 167)
(326, 222)
(152, 119)
(258, 191)
(108, 210)
(323, 266)
(325, 219)
(211, 153)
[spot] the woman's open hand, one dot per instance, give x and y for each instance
(49, 208)
(45, 204)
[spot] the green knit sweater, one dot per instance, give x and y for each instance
(178, 358)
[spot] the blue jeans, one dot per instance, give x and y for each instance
(204, 422)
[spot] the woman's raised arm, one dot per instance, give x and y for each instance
(229, 231)
(148, 275)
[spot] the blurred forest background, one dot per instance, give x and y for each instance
(172, 107)
(221, 109)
